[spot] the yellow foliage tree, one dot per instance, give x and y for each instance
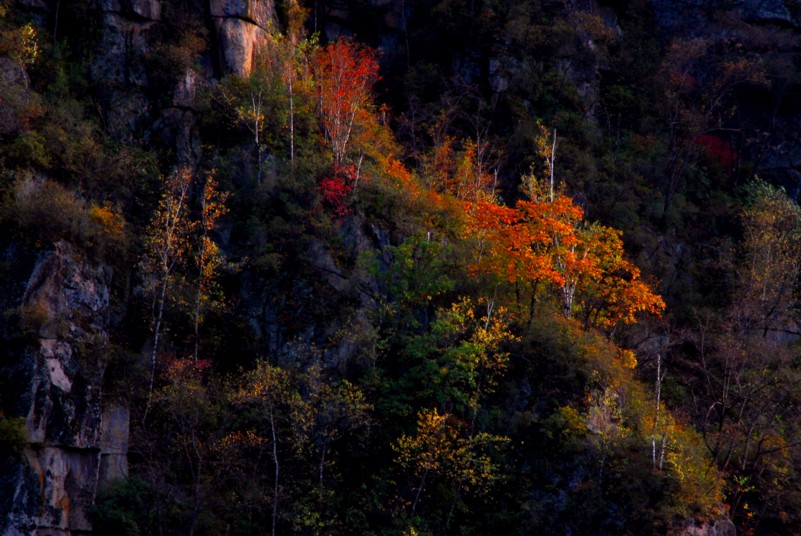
(167, 245)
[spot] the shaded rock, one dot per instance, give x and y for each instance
(16, 97)
(66, 477)
(687, 14)
(177, 127)
(258, 12)
(133, 10)
(59, 375)
(500, 71)
(147, 9)
(114, 444)
(185, 91)
(123, 46)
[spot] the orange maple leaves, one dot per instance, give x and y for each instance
(544, 240)
(547, 243)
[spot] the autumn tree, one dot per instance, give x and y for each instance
(284, 60)
(184, 437)
(745, 382)
(267, 390)
(545, 241)
(325, 411)
(698, 86)
(166, 247)
(547, 245)
(461, 169)
(295, 68)
(767, 271)
(20, 45)
(301, 415)
(256, 102)
(19, 49)
(452, 370)
(609, 289)
(207, 255)
(344, 72)
(442, 449)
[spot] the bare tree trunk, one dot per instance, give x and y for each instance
(656, 410)
(419, 491)
(552, 162)
(322, 466)
(199, 293)
(291, 124)
(196, 492)
(169, 230)
(277, 469)
(154, 351)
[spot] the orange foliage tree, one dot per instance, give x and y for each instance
(546, 242)
(208, 257)
(461, 170)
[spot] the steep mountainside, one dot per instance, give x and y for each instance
(400, 267)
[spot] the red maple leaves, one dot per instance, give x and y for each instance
(344, 73)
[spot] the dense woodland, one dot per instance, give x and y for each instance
(508, 267)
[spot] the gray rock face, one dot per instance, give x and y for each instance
(16, 90)
(121, 52)
(59, 376)
(241, 27)
(119, 68)
(147, 9)
(133, 9)
(674, 14)
(114, 444)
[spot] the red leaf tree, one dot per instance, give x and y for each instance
(344, 73)
(335, 189)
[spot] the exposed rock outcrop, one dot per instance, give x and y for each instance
(114, 430)
(129, 42)
(686, 14)
(58, 375)
(241, 27)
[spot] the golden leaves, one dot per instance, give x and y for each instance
(441, 446)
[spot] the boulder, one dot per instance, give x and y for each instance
(147, 9)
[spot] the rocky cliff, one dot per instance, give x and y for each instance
(57, 377)
(76, 440)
